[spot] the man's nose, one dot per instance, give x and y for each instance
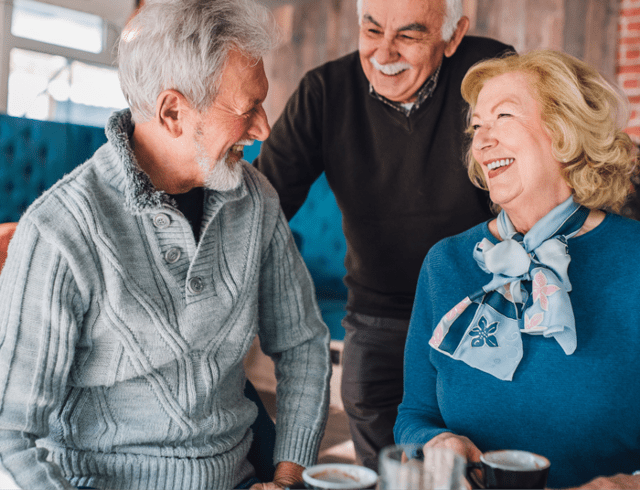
(260, 128)
(386, 52)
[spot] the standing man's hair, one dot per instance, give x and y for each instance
(183, 45)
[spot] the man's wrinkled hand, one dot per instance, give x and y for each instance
(287, 473)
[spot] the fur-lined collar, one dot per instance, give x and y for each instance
(140, 195)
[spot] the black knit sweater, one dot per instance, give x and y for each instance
(399, 181)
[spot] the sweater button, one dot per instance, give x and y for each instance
(196, 285)
(161, 220)
(172, 255)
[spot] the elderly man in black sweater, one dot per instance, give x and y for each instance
(386, 124)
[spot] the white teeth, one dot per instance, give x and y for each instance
(500, 163)
(239, 146)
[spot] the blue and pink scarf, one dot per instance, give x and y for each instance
(529, 293)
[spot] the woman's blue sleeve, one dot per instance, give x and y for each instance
(419, 418)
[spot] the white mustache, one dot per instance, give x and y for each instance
(390, 68)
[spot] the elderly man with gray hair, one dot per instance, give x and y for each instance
(134, 287)
(386, 125)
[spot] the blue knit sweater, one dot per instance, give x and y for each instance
(580, 411)
(122, 339)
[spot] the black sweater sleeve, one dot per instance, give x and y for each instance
(291, 158)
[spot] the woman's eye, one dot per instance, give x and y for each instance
(504, 115)
(475, 127)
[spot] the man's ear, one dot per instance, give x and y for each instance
(456, 39)
(172, 111)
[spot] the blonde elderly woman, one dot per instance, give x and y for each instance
(524, 333)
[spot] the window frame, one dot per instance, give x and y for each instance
(106, 58)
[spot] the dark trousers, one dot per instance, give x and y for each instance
(372, 381)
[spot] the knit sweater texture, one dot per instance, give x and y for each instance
(580, 411)
(399, 181)
(122, 339)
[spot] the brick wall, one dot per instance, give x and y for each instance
(628, 66)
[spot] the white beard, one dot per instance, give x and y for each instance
(220, 175)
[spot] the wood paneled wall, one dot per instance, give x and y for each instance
(312, 33)
(316, 31)
(586, 29)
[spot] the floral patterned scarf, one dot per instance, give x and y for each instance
(529, 293)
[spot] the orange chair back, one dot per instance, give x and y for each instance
(6, 232)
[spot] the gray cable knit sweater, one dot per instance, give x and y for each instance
(122, 340)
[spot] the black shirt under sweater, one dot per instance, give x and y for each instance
(191, 204)
(399, 181)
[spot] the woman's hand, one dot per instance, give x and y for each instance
(620, 482)
(460, 444)
(287, 474)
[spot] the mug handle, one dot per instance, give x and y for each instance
(471, 475)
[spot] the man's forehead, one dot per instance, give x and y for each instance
(404, 14)
(243, 74)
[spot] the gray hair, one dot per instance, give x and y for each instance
(451, 18)
(184, 45)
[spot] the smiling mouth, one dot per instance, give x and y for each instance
(390, 69)
(393, 73)
(239, 146)
(500, 163)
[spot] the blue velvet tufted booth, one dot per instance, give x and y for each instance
(35, 154)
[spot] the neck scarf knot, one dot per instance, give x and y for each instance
(528, 293)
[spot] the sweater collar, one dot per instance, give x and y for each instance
(140, 195)
(423, 94)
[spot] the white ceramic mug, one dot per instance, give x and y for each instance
(335, 476)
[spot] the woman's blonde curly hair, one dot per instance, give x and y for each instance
(584, 116)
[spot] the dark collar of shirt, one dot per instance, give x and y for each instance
(423, 94)
(191, 204)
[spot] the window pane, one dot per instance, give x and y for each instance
(57, 25)
(96, 85)
(47, 87)
(29, 77)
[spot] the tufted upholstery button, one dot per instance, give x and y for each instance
(161, 220)
(196, 285)
(172, 255)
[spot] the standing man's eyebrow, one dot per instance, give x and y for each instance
(368, 18)
(415, 26)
